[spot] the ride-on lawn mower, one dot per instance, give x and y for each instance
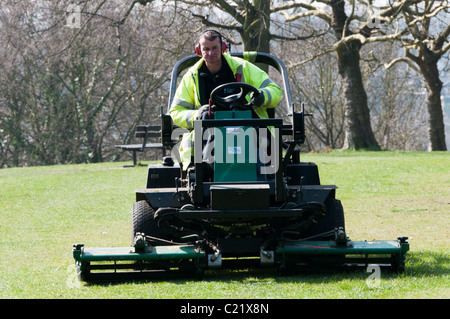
(252, 203)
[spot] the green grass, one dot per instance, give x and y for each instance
(44, 210)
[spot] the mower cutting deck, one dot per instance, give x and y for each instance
(125, 263)
(252, 204)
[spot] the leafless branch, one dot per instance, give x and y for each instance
(398, 60)
(295, 65)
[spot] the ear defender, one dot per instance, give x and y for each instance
(224, 47)
(197, 50)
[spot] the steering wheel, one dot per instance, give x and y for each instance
(233, 101)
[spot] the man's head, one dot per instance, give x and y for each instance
(210, 47)
(206, 37)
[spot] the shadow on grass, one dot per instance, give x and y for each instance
(418, 264)
(427, 264)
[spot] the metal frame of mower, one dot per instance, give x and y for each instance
(210, 216)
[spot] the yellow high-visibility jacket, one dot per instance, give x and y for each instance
(184, 107)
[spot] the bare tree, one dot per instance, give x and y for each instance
(354, 23)
(318, 85)
(395, 100)
(70, 92)
(252, 20)
(425, 44)
(353, 27)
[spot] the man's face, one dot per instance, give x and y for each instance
(211, 50)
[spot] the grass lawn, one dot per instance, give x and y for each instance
(44, 210)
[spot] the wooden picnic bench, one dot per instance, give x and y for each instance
(145, 132)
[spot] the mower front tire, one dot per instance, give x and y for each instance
(334, 218)
(143, 221)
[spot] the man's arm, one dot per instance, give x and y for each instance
(260, 80)
(183, 110)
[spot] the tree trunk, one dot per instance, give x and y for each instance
(357, 127)
(358, 131)
(436, 131)
(256, 28)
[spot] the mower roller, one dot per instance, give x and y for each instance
(250, 202)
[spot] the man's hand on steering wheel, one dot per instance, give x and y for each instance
(257, 98)
(204, 113)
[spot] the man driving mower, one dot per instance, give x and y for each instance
(246, 208)
(217, 67)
